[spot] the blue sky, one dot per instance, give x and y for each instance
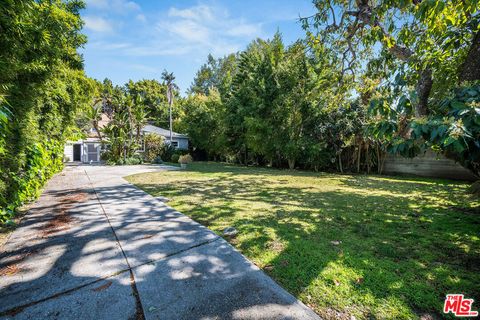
(139, 39)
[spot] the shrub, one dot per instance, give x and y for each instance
(175, 157)
(168, 151)
(185, 159)
(110, 162)
(154, 147)
(132, 161)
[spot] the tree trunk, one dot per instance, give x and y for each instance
(340, 162)
(291, 164)
(359, 157)
(470, 69)
(379, 160)
(367, 157)
(381, 156)
(384, 156)
(423, 88)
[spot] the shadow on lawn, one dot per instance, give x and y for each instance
(405, 248)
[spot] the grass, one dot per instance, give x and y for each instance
(346, 245)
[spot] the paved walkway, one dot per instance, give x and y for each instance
(95, 247)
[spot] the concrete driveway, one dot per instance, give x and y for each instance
(95, 247)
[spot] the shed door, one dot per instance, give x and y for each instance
(77, 152)
(92, 152)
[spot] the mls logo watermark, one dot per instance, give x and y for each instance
(459, 306)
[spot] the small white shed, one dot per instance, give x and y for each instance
(86, 151)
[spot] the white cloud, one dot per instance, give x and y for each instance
(157, 49)
(245, 30)
(197, 13)
(187, 30)
(141, 17)
(118, 6)
(198, 29)
(104, 45)
(143, 68)
(97, 3)
(97, 24)
(207, 29)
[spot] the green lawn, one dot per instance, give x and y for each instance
(403, 243)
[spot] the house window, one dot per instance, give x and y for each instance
(174, 143)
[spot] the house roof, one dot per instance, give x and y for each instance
(163, 132)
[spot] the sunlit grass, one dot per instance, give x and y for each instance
(367, 246)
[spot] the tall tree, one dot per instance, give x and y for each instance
(433, 42)
(169, 79)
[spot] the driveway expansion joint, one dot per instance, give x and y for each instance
(139, 312)
(15, 310)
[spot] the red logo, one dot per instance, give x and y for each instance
(459, 306)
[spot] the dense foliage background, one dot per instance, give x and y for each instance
(42, 89)
(395, 77)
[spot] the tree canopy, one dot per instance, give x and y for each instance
(42, 88)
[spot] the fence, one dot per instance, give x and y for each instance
(428, 165)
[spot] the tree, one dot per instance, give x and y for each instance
(215, 74)
(428, 53)
(204, 123)
(169, 79)
(43, 85)
(434, 42)
(94, 114)
(153, 95)
(140, 117)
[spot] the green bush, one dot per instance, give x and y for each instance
(110, 162)
(175, 157)
(133, 160)
(43, 160)
(154, 146)
(168, 151)
(43, 89)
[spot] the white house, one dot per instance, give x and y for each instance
(179, 141)
(88, 150)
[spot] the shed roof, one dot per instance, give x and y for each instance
(163, 132)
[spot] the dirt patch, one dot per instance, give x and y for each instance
(10, 270)
(332, 314)
(74, 198)
(61, 220)
(276, 246)
(103, 287)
